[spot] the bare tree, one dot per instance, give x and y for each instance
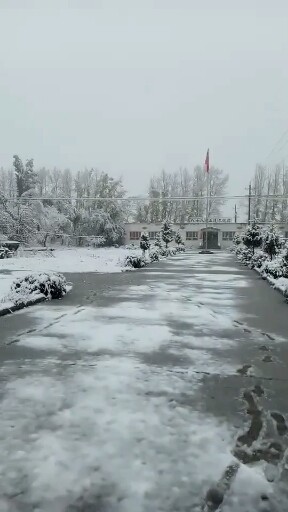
(218, 184)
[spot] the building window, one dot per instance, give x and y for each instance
(191, 235)
(228, 235)
(286, 234)
(135, 235)
(153, 234)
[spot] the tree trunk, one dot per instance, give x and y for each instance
(45, 239)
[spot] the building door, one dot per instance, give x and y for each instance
(212, 240)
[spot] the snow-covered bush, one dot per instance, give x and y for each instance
(258, 259)
(272, 242)
(158, 244)
(158, 241)
(239, 250)
(252, 237)
(167, 232)
(275, 268)
(133, 261)
(33, 286)
(144, 242)
(284, 255)
(244, 254)
(163, 252)
(171, 251)
(180, 248)
(237, 240)
(154, 254)
(5, 253)
(178, 239)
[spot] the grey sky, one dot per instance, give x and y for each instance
(135, 86)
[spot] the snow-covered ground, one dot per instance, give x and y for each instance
(107, 418)
(61, 260)
(109, 259)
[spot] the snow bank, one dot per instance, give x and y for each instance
(35, 286)
(281, 284)
(31, 289)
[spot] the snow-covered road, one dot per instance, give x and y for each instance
(127, 395)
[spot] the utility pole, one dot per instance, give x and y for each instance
(235, 213)
(249, 204)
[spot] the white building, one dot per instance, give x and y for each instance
(220, 232)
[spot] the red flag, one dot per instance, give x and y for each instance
(207, 161)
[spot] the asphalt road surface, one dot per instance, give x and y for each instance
(163, 389)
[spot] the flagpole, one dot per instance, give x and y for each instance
(207, 168)
(207, 211)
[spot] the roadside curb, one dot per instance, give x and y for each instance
(272, 283)
(18, 307)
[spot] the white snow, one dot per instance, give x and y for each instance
(72, 259)
(280, 284)
(268, 266)
(100, 432)
(6, 281)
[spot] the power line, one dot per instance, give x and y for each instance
(276, 144)
(150, 199)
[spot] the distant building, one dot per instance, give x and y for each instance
(220, 232)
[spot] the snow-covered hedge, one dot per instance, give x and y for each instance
(275, 268)
(275, 271)
(34, 286)
(135, 261)
(244, 254)
(258, 259)
(154, 254)
(171, 251)
(280, 284)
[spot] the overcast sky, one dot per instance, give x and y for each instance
(135, 86)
